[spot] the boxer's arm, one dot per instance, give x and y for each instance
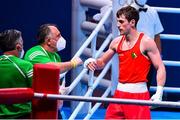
(99, 63)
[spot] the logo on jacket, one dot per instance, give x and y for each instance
(133, 55)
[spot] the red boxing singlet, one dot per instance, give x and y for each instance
(133, 65)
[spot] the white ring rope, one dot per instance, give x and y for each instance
(175, 90)
(170, 36)
(171, 63)
(167, 10)
(112, 100)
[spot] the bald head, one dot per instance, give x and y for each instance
(54, 32)
(45, 31)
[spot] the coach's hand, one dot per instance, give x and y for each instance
(76, 62)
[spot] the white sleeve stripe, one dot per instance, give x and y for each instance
(30, 70)
(33, 55)
(36, 52)
(29, 73)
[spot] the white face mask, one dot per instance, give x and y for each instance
(141, 2)
(21, 54)
(61, 44)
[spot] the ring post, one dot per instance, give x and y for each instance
(45, 80)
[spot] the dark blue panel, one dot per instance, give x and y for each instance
(28, 15)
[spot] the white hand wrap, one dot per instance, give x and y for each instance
(88, 61)
(158, 95)
(63, 90)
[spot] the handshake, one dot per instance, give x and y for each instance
(91, 64)
(76, 62)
